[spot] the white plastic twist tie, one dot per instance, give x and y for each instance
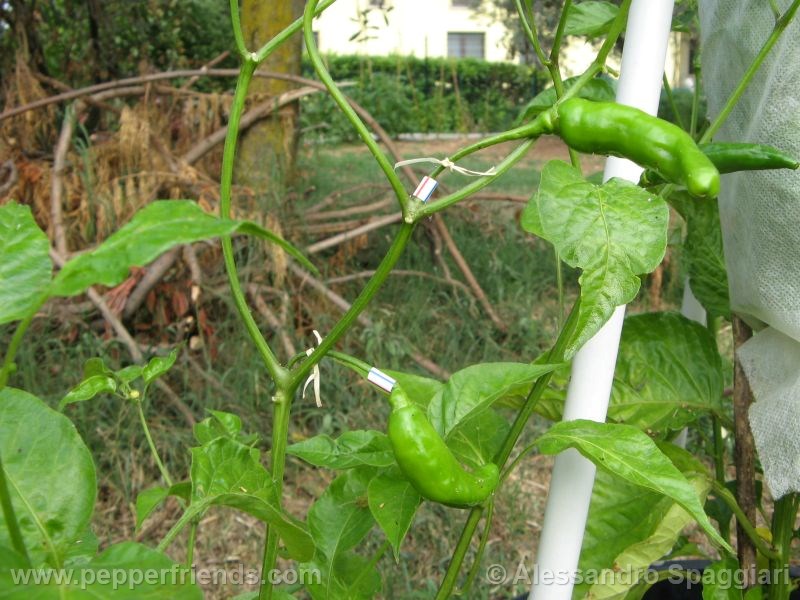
(380, 379)
(447, 164)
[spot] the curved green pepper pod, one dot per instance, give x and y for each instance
(428, 463)
(618, 130)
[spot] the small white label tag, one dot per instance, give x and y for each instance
(381, 379)
(425, 188)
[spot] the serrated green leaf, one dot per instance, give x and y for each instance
(668, 373)
(25, 267)
(225, 472)
(631, 455)
(393, 502)
(153, 230)
(88, 389)
(473, 390)
(628, 529)
(352, 449)
(613, 232)
(702, 250)
(50, 473)
(100, 578)
(589, 18)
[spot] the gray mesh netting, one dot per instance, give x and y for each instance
(760, 216)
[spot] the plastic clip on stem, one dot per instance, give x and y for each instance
(647, 34)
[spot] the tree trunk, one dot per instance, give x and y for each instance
(267, 152)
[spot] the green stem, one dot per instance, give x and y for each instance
(280, 436)
(344, 106)
(556, 354)
(278, 373)
(671, 101)
(476, 565)
(190, 544)
(780, 26)
(9, 367)
(10, 517)
(423, 211)
(371, 564)
(725, 495)
(719, 451)
(783, 519)
(296, 26)
(186, 518)
(359, 304)
(529, 28)
(559, 36)
(153, 450)
(351, 362)
(237, 30)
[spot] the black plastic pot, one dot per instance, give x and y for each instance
(685, 589)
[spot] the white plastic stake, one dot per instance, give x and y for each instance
(645, 51)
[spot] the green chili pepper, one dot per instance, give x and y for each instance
(429, 464)
(733, 157)
(729, 158)
(619, 130)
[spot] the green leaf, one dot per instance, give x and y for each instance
(631, 455)
(629, 529)
(119, 572)
(225, 472)
(147, 501)
(50, 473)
(598, 90)
(590, 19)
(25, 268)
(340, 519)
(473, 390)
(719, 582)
(350, 576)
(702, 250)
(158, 365)
(96, 366)
(88, 389)
(669, 373)
(393, 502)
(153, 230)
(222, 424)
(613, 232)
(129, 373)
(352, 449)
(420, 389)
(477, 441)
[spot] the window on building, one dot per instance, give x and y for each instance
(465, 45)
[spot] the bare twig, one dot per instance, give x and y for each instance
(272, 320)
(57, 182)
(467, 272)
(212, 63)
(744, 452)
(372, 207)
(10, 179)
(335, 195)
(348, 235)
(402, 272)
(363, 319)
(157, 269)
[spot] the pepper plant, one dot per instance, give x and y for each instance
(453, 442)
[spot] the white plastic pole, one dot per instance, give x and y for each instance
(645, 51)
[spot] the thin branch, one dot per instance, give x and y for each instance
(57, 182)
(348, 235)
(155, 271)
(362, 319)
(272, 320)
